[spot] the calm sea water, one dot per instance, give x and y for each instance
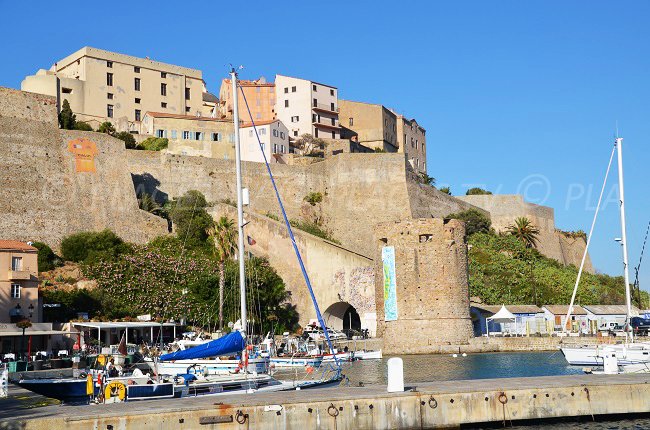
(431, 368)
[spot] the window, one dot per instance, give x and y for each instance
(275, 148)
(250, 133)
(293, 89)
(295, 118)
(315, 102)
(136, 69)
(16, 264)
(186, 135)
(160, 133)
(216, 137)
(187, 93)
(262, 146)
(163, 75)
(15, 291)
(313, 87)
(351, 121)
(286, 90)
(109, 96)
(333, 135)
(295, 132)
(198, 135)
(332, 108)
(174, 134)
(109, 79)
(333, 121)
(137, 101)
(137, 114)
(316, 133)
(65, 90)
(109, 64)
(262, 131)
(275, 133)
(286, 103)
(313, 117)
(282, 135)
(412, 142)
(163, 104)
(187, 109)
(331, 92)
(109, 111)
(163, 89)
(282, 148)
(137, 84)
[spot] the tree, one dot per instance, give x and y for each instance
(129, 140)
(475, 221)
(445, 190)
(106, 127)
(477, 192)
(67, 119)
(426, 179)
(147, 203)
(191, 219)
(89, 246)
(223, 234)
(524, 231)
(310, 145)
(47, 259)
(82, 126)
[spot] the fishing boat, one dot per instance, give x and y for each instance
(629, 353)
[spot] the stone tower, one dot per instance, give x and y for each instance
(428, 282)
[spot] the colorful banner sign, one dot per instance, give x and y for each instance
(84, 152)
(390, 286)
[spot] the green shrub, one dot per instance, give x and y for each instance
(83, 126)
(89, 246)
(191, 219)
(106, 127)
(477, 192)
(313, 198)
(47, 259)
(153, 144)
(272, 216)
(445, 190)
(313, 228)
(67, 119)
(475, 221)
(129, 140)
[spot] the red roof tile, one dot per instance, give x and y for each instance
(15, 245)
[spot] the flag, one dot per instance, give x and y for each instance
(122, 346)
(251, 241)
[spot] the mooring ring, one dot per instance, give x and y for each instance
(433, 403)
(503, 398)
(240, 417)
(333, 410)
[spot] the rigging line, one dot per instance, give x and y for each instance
(290, 231)
(638, 267)
(591, 231)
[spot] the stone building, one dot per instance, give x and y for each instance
(307, 107)
(430, 305)
(18, 282)
(372, 125)
(107, 86)
(259, 94)
(411, 140)
(273, 135)
(192, 135)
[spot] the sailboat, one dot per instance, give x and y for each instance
(629, 353)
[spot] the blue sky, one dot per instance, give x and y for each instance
(516, 96)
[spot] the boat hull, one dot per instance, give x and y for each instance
(591, 355)
(70, 391)
(280, 362)
(209, 367)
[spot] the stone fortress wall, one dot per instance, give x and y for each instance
(505, 208)
(42, 195)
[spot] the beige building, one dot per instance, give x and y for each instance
(307, 107)
(192, 135)
(374, 126)
(411, 138)
(18, 282)
(273, 135)
(259, 94)
(107, 86)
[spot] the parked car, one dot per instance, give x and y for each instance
(641, 326)
(612, 328)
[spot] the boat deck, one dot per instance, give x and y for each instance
(433, 404)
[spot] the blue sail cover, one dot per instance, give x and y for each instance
(227, 344)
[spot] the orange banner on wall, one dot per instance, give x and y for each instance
(84, 152)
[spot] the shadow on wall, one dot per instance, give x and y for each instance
(146, 183)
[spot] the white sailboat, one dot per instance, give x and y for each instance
(630, 352)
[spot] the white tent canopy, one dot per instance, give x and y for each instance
(503, 316)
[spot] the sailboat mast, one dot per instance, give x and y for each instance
(621, 192)
(240, 204)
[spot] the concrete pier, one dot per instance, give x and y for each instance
(429, 405)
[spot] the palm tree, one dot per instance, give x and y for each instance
(525, 231)
(223, 234)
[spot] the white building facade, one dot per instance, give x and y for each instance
(307, 107)
(273, 135)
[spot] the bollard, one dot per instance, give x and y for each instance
(395, 375)
(4, 383)
(610, 362)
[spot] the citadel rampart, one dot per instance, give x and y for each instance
(44, 196)
(504, 209)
